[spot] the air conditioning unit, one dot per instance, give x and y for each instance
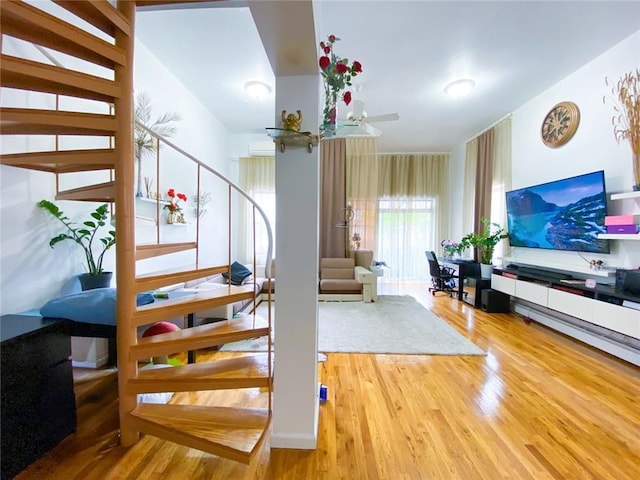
(262, 149)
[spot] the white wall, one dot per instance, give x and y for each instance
(592, 148)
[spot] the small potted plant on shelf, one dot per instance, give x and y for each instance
(84, 235)
(484, 243)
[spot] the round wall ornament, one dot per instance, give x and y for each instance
(560, 124)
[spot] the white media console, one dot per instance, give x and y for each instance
(595, 316)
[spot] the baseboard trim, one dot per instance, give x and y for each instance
(100, 362)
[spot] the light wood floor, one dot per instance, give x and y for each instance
(537, 406)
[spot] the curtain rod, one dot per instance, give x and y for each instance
(508, 115)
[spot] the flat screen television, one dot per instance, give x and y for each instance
(565, 214)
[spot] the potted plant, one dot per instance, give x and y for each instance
(484, 243)
(84, 235)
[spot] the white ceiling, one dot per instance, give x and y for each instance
(409, 50)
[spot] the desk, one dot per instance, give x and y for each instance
(38, 401)
(465, 268)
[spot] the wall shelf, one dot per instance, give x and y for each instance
(619, 236)
(285, 137)
(152, 200)
(624, 196)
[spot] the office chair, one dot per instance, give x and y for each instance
(443, 279)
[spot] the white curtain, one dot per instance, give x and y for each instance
(412, 211)
(501, 178)
(257, 178)
(362, 189)
(468, 196)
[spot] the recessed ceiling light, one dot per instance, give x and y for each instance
(257, 90)
(459, 88)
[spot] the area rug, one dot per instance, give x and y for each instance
(395, 324)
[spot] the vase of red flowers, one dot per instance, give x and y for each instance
(337, 74)
(174, 210)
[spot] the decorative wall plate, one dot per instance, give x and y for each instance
(560, 124)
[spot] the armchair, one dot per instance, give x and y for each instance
(341, 279)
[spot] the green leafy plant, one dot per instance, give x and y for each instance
(83, 235)
(486, 241)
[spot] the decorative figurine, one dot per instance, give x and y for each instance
(291, 122)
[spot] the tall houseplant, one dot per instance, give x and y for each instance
(144, 144)
(84, 235)
(485, 242)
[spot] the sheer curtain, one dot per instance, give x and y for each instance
(257, 178)
(471, 160)
(412, 211)
(501, 182)
(362, 189)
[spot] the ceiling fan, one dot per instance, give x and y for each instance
(359, 116)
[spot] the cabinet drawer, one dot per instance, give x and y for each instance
(619, 319)
(503, 284)
(532, 292)
(574, 305)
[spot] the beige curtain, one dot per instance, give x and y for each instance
(484, 175)
(418, 176)
(333, 239)
(501, 182)
(362, 189)
(468, 195)
(257, 177)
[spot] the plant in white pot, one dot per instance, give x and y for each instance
(84, 235)
(485, 242)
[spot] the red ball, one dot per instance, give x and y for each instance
(160, 327)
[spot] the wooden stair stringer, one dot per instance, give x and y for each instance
(229, 432)
(99, 13)
(247, 371)
(28, 23)
(62, 161)
(102, 192)
(202, 336)
(31, 121)
(35, 76)
(176, 275)
(155, 250)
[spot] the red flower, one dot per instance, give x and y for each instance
(332, 38)
(347, 97)
(324, 62)
(182, 197)
(171, 192)
(357, 67)
(327, 50)
(341, 67)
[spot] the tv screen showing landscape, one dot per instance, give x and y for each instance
(565, 214)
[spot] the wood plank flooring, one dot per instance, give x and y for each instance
(538, 406)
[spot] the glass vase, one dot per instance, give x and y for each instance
(635, 158)
(330, 115)
(172, 217)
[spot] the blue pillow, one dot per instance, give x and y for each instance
(91, 306)
(238, 273)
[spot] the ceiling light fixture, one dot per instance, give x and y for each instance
(257, 90)
(459, 88)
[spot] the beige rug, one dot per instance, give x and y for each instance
(394, 324)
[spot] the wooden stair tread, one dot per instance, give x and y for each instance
(202, 336)
(172, 276)
(99, 13)
(247, 371)
(29, 75)
(23, 21)
(229, 432)
(154, 249)
(62, 161)
(101, 192)
(25, 121)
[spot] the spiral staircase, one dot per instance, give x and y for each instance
(106, 40)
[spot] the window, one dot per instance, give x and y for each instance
(406, 228)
